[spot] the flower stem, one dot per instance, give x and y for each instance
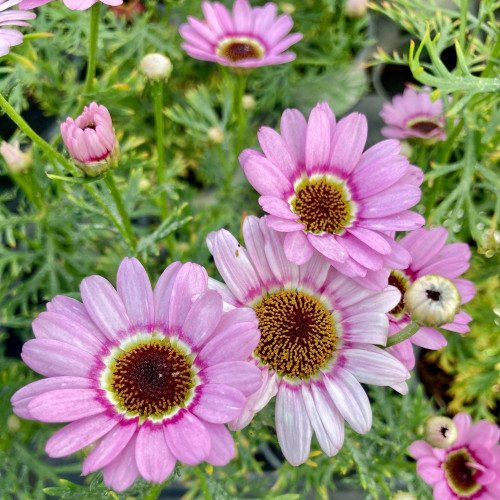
(160, 131)
(95, 15)
(404, 334)
(117, 197)
(239, 91)
(203, 483)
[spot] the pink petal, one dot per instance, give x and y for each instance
(315, 271)
(105, 307)
(429, 469)
(403, 221)
(292, 425)
(317, 141)
(420, 449)
(223, 449)
(78, 434)
(276, 150)
(332, 420)
(429, 338)
(368, 327)
(327, 245)
(278, 207)
(424, 245)
(110, 446)
(283, 225)
(463, 422)
(361, 253)
(349, 398)
(218, 403)
(136, 293)
(375, 241)
(163, 292)
(443, 492)
(242, 16)
(187, 438)
(154, 460)
(122, 471)
(293, 131)
(393, 200)
(297, 248)
(241, 375)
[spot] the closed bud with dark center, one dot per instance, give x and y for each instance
(432, 300)
(440, 432)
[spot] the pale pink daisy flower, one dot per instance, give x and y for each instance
(414, 115)
(326, 194)
(429, 255)
(318, 330)
(468, 469)
(248, 38)
(91, 140)
(10, 17)
(151, 376)
(71, 4)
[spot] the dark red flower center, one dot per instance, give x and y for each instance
(425, 127)
(400, 281)
(153, 378)
(460, 476)
(240, 49)
(322, 205)
(297, 333)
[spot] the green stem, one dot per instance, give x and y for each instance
(404, 334)
(239, 91)
(464, 10)
(492, 60)
(95, 15)
(160, 132)
(155, 491)
(203, 483)
(117, 197)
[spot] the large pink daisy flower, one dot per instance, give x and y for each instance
(71, 4)
(248, 38)
(469, 469)
(8, 36)
(326, 194)
(414, 115)
(318, 330)
(152, 376)
(429, 255)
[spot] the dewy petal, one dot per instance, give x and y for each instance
(66, 405)
(190, 282)
(110, 446)
(350, 399)
(202, 319)
(122, 471)
(241, 375)
(154, 460)
(297, 248)
(327, 245)
(136, 293)
(79, 434)
(105, 307)
(187, 438)
(218, 403)
(292, 425)
(222, 450)
(317, 141)
(163, 292)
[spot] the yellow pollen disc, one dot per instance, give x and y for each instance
(240, 48)
(323, 206)
(297, 334)
(151, 379)
(400, 281)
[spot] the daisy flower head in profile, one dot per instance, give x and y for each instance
(414, 115)
(246, 38)
(150, 376)
(318, 330)
(467, 469)
(71, 4)
(326, 194)
(12, 17)
(430, 255)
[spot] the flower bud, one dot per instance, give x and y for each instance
(356, 8)
(156, 67)
(440, 432)
(404, 495)
(17, 161)
(287, 8)
(91, 140)
(432, 300)
(248, 102)
(216, 135)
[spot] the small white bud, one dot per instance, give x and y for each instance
(440, 432)
(404, 495)
(248, 102)
(156, 67)
(216, 135)
(432, 300)
(17, 161)
(287, 8)
(356, 8)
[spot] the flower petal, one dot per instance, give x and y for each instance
(297, 248)
(122, 471)
(241, 375)
(163, 292)
(223, 449)
(317, 141)
(218, 403)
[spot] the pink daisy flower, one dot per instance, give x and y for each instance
(413, 115)
(71, 4)
(326, 194)
(248, 38)
(318, 330)
(8, 36)
(91, 140)
(429, 255)
(469, 469)
(151, 376)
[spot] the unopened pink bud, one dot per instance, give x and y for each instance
(17, 161)
(91, 140)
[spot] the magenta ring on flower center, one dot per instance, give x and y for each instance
(324, 204)
(240, 48)
(150, 376)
